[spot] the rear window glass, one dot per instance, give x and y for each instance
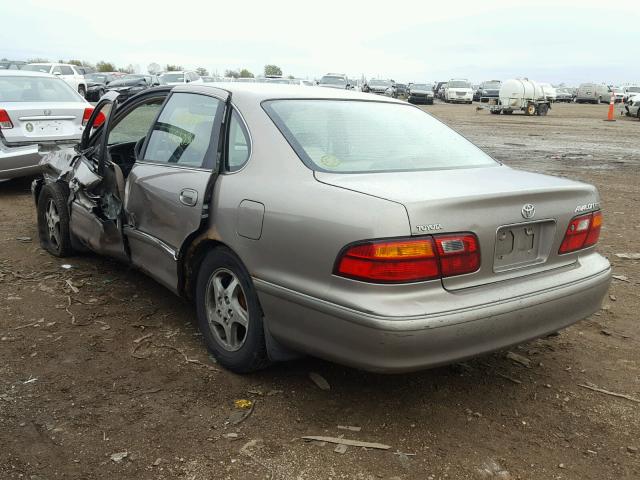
(172, 78)
(358, 136)
(36, 89)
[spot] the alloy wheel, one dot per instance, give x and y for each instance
(52, 218)
(227, 310)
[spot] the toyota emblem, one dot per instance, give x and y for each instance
(528, 211)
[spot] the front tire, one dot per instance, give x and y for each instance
(229, 313)
(82, 91)
(53, 220)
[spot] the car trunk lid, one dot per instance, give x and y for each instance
(38, 122)
(493, 203)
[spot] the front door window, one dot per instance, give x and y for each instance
(183, 134)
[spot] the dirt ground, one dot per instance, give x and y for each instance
(98, 359)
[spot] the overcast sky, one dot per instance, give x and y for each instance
(554, 41)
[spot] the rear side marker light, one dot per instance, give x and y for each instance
(5, 121)
(583, 231)
(410, 260)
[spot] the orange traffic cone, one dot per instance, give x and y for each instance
(611, 108)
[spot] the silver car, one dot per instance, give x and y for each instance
(38, 112)
(348, 226)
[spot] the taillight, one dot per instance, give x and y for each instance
(458, 254)
(87, 115)
(5, 121)
(410, 260)
(583, 231)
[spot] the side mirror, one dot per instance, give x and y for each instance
(57, 73)
(187, 80)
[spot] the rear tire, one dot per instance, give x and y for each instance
(599, 101)
(531, 109)
(53, 220)
(229, 313)
(543, 109)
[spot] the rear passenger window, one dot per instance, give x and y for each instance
(183, 133)
(238, 144)
(66, 70)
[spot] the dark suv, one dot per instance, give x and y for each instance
(487, 91)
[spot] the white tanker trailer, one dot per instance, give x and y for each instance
(521, 94)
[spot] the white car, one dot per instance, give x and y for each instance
(71, 74)
(38, 111)
(180, 77)
(632, 106)
(630, 91)
(458, 91)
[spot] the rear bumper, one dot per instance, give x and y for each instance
(487, 322)
(19, 161)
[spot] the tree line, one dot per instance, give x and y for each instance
(155, 68)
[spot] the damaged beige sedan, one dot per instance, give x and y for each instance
(349, 226)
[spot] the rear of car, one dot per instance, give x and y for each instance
(488, 91)
(421, 93)
(592, 93)
(334, 81)
(379, 87)
(37, 112)
(489, 257)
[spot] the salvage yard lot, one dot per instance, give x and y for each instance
(97, 360)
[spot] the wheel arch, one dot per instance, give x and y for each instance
(193, 251)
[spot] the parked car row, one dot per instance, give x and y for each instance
(72, 74)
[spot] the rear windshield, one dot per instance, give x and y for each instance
(346, 136)
(36, 89)
(327, 80)
(172, 78)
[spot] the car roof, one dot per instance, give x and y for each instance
(25, 73)
(259, 92)
(55, 64)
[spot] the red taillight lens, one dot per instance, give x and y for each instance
(87, 115)
(410, 260)
(582, 232)
(5, 121)
(458, 254)
(390, 261)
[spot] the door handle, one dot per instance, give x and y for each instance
(189, 197)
